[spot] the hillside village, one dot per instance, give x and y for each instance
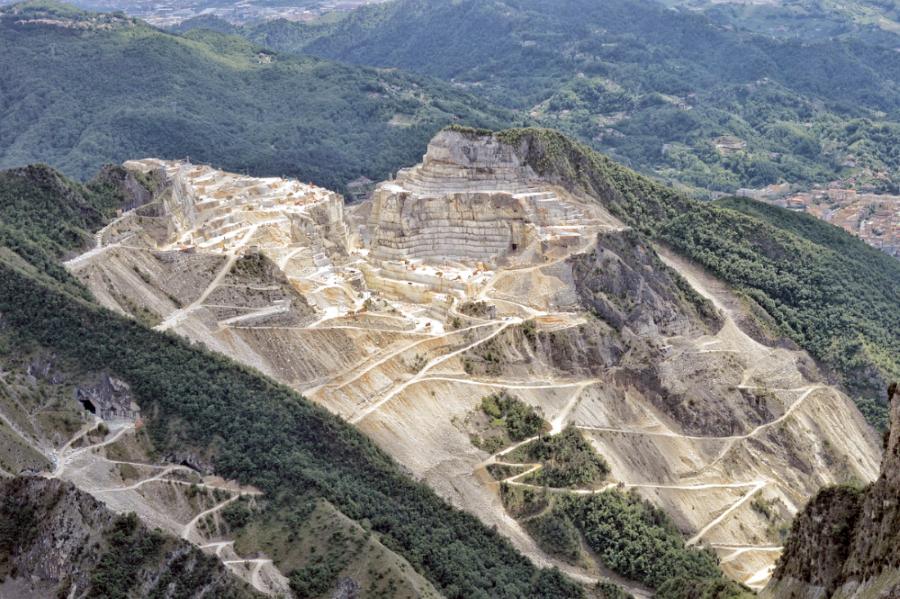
(873, 217)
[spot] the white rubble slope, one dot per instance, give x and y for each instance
(364, 310)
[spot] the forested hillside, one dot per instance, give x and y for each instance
(45, 216)
(80, 89)
(663, 91)
(827, 290)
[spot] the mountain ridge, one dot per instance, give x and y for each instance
(479, 267)
(674, 218)
(215, 98)
(531, 342)
(656, 88)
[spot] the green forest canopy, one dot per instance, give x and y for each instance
(654, 87)
(114, 88)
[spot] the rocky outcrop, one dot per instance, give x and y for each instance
(478, 226)
(257, 292)
(109, 398)
(846, 543)
(209, 208)
(43, 368)
(57, 541)
(134, 193)
(821, 542)
(473, 197)
(585, 350)
(624, 283)
(101, 394)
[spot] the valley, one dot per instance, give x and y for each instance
(467, 275)
(657, 87)
(208, 96)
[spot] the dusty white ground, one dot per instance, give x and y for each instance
(385, 348)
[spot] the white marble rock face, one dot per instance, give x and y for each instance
(472, 198)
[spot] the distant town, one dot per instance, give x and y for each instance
(873, 217)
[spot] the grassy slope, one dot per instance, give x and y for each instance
(828, 291)
(100, 88)
(255, 430)
(578, 63)
(322, 544)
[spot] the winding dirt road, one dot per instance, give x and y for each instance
(397, 389)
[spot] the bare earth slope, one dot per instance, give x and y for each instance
(467, 275)
(845, 543)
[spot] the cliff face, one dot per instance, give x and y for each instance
(624, 282)
(473, 197)
(846, 543)
(58, 541)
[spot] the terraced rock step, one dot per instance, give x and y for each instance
(472, 200)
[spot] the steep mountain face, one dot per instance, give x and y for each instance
(149, 424)
(655, 87)
(637, 290)
(82, 89)
(844, 544)
(59, 541)
(509, 264)
(801, 278)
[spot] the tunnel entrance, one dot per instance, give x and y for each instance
(88, 405)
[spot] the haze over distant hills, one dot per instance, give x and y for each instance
(171, 12)
(808, 19)
(667, 92)
(678, 106)
(80, 89)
